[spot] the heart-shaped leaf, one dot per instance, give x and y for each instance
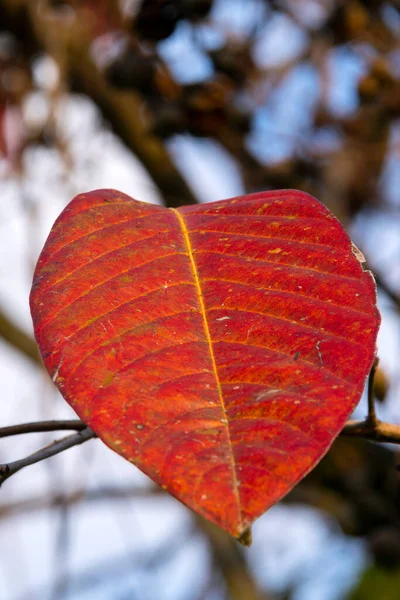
(218, 347)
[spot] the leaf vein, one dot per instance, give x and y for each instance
(211, 350)
(265, 237)
(299, 361)
(280, 264)
(288, 292)
(125, 332)
(299, 325)
(103, 228)
(99, 285)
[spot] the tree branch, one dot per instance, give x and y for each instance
(381, 283)
(231, 562)
(121, 108)
(6, 470)
(371, 429)
(21, 341)
(372, 418)
(41, 426)
(377, 431)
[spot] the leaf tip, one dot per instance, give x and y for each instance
(245, 538)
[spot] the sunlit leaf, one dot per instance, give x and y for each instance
(219, 347)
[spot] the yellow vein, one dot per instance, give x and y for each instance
(123, 334)
(99, 285)
(268, 237)
(280, 291)
(297, 324)
(124, 246)
(299, 361)
(277, 263)
(209, 340)
(92, 232)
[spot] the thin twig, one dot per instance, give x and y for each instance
(377, 432)
(52, 449)
(40, 426)
(372, 418)
(231, 562)
(392, 294)
(14, 335)
(371, 429)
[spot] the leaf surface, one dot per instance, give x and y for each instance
(218, 347)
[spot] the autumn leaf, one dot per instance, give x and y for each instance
(218, 347)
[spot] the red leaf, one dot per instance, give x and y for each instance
(219, 347)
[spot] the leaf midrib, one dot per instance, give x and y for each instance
(186, 237)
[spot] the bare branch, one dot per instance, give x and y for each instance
(41, 426)
(17, 338)
(372, 418)
(122, 109)
(381, 283)
(6, 470)
(231, 562)
(377, 431)
(370, 429)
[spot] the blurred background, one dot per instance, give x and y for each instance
(176, 102)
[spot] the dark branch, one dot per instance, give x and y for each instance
(377, 431)
(231, 562)
(6, 470)
(122, 109)
(41, 426)
(372, 418)
(16, 337)
(381, 283)
(371, 429)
